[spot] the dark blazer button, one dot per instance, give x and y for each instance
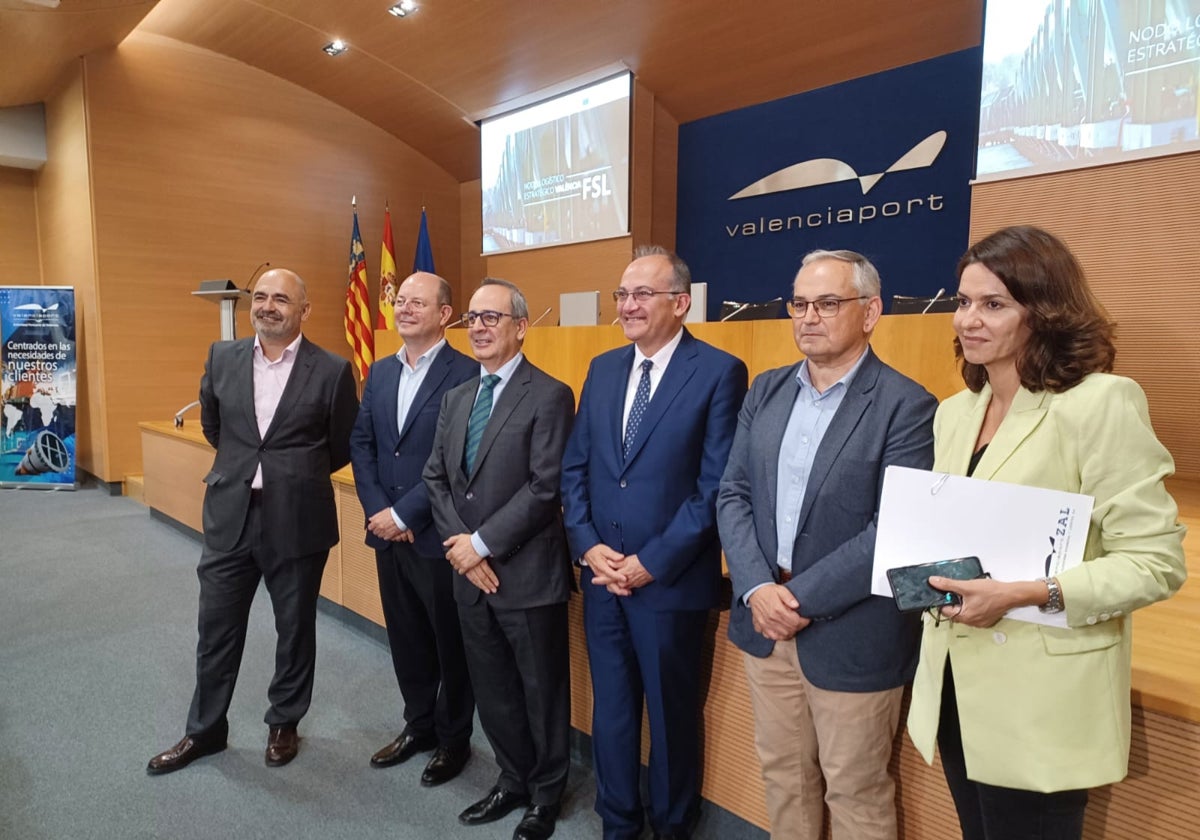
(470, 495)
(622, 484)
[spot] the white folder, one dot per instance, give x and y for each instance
(1017, 532)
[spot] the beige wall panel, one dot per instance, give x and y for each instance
(20, 264)
(67, 240)
(545, 273)
(1133, 226)
(665, 179)
(204, 167)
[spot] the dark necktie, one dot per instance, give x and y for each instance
(641, 399)
(479, 419)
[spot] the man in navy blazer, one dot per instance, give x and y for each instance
(389, 446)
(826, 661)
(640, 476)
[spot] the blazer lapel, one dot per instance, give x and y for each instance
(680, 369)
(301, 371)
(1024, 415)
(616, 409)
(244, 371)
(858, 398)
(513, 393)
(438, 371)
(773, 419)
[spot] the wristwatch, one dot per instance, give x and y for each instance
(1054, 603)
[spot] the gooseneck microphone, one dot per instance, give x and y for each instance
(254, 274)
(933, 300)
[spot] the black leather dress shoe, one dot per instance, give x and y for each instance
(538, 823)
(447, 762)
(183, 754)
(282, 745)
(406, 745)
(497, 804)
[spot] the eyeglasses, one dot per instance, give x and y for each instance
(416, 304)
(641, 295)
(489, 317)
(826, 307)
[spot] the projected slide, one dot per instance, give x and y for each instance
(558, 172)
(1070, 83)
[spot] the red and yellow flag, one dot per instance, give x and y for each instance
(387, 277)
(359, 335)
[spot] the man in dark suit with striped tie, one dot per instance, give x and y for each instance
(493, 481)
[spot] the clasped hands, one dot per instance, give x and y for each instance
(776, 612)
(620, 573)
(468, 563)
(383, 525)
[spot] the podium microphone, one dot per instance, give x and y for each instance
(543, 315)
(933, 300)
(734, 312)
(254, 274)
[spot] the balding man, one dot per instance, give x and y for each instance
(390, 444)
(278, 409)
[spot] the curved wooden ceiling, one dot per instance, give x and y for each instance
(423, 77)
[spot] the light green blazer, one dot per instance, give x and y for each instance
(1046, 708)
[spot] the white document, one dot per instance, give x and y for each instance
(1017, 532)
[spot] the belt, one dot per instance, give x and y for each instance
(784, 575)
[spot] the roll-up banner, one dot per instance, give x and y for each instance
(37, 387)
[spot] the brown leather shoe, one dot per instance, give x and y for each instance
(183, 754)
(282, 745)
(406, 745)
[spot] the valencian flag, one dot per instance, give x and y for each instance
(387, 276)
(358, 312)
(423, 259)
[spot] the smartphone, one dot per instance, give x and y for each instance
(910, 584)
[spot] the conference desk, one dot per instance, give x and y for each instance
(1158, 800)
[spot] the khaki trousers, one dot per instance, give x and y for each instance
(811, 739)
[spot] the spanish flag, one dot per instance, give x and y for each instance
(358, 311)
(388, 284)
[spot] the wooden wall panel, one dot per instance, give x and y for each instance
(472, 265)
(641, 163)
(1133, 226)
(204, 167)
(20, 262)
(66, 237)
(665, 178)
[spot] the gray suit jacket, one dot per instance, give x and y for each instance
(857, 641)
(308, 439)
(512, 495)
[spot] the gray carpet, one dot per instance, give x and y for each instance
(97, 643)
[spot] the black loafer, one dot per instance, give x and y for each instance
(406, 745)
(538, 823)
(497, 804)
(183, 754)
(447, 762)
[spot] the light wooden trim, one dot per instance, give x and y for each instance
(20, 262)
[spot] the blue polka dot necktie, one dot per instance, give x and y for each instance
(641, 399)
(478, 420)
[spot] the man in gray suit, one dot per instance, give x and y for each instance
(493, 480)
(278, 409)
(797, 509)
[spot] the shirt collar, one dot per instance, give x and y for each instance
(506, 370)
(288, 353)
(805, 380)
(425, 357)
(663, 357)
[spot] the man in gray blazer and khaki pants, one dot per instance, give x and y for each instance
(278, 409)
(493, 481)
(826, 661)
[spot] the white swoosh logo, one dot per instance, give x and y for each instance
(818, 171)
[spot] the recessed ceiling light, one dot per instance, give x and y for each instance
(335, 47)
(403, 8)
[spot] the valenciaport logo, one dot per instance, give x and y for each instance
(821, 171)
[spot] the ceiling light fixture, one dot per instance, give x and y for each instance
(403, 8)
(335, 47)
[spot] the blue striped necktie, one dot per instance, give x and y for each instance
(478, 420)
(641, 399)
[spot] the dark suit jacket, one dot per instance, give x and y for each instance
(308, 439)
(857, 641)
(387, 460)
(658, 503)
(512, 495)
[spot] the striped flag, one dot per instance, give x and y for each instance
(387, 276)
(358, 312)
(423, 259)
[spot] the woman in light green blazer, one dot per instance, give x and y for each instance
(1028, 717)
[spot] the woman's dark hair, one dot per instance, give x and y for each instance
(1071, 334)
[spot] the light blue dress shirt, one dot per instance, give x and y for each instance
(411, 379)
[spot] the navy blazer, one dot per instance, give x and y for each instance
(388, 460)
(856, 641)
(659, 503)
